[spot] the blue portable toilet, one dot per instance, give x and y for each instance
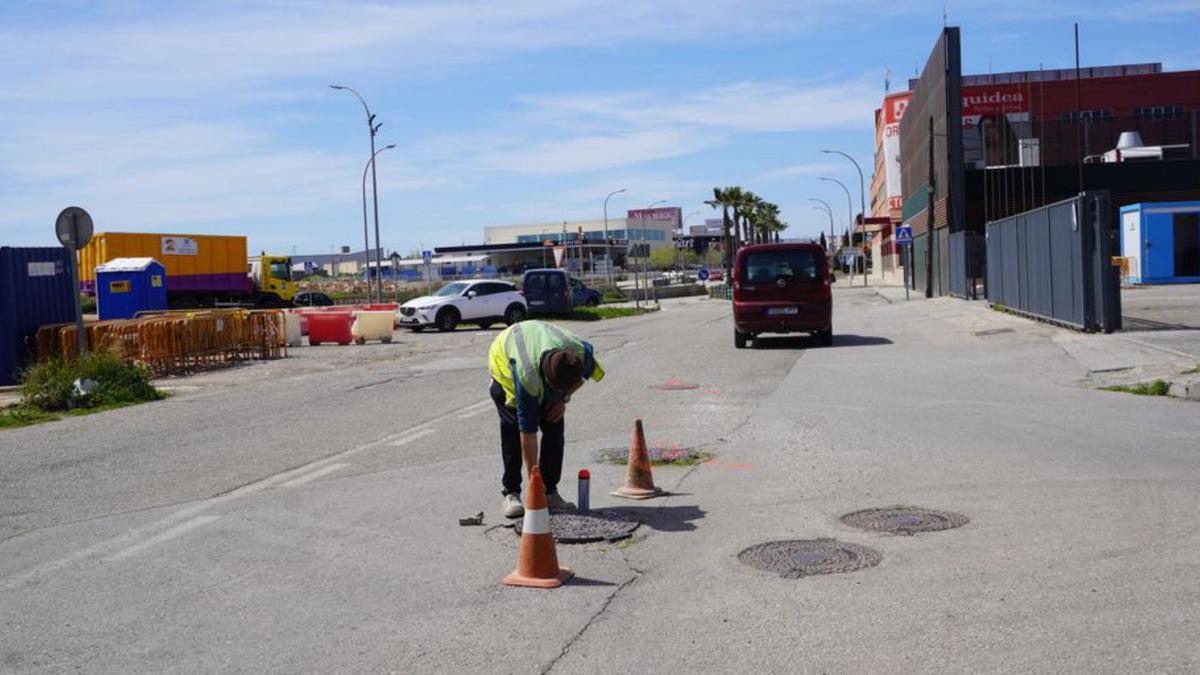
(126, 286)
(1161, 241)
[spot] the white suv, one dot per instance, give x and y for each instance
(479, 302)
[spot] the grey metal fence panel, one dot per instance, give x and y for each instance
(958, 264)
(919, 246)
(1054, 263)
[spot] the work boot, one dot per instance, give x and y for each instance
(556, 503)
(512, 506)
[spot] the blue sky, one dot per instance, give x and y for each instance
(215, 117)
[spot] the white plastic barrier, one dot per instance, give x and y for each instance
(294, 333)
(373, 325)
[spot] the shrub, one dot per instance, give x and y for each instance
(50, 386)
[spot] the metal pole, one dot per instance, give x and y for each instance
(374, 129)
(1078, 110)
(828, 209)
(607, 244)
(849, 224)
(862, 203)
(366, 240)
(80, 335)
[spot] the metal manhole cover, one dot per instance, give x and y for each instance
(675, 385)
(804, 557)
(572, 527)
(904, 520)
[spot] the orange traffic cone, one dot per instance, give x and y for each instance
(639, 482)
(537, 563)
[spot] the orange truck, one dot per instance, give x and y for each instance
(203, 270)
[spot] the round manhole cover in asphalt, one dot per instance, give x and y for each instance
(904, 520)
(804, 557)
(573, 527)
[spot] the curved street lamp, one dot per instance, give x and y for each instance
(607, 246)
(374, 129)
(827, 209)
(849, 223)
(366, 242)
(862, 203)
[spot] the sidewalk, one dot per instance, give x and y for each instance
(1117, 359)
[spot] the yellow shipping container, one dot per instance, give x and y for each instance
(183, 255)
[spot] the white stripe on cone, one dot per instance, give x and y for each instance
(536, 522)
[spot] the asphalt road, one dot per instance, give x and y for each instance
(301, 515)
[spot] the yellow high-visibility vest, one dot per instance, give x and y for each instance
(521, 346)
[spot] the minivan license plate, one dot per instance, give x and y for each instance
(778, 311)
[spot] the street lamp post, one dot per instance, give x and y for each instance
(374, 129)
(849, 223)
(646, 251)
(366, 240)
(607, 244)
(862, 203)
(827, 209)
(682, 230)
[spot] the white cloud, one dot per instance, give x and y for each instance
(742, 106)
(785, 172)
(591, 153)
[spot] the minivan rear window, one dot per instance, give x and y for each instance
(793, 265)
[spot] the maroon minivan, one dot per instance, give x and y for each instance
(782, 288)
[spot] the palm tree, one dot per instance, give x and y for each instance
(737, 199)
(749, 204)
(722, 200)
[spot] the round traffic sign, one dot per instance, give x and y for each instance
(73, 227)
(702, 275)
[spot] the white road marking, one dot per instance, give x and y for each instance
(324, 471)
(165, 535)
(472, 413)
(415, 436)
(125, 538)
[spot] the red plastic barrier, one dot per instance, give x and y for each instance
(329, 327)
(386, 307)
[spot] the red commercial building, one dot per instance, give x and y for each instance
(1048, 118)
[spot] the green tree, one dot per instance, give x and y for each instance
(723, 199)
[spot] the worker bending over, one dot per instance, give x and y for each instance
(535, 368)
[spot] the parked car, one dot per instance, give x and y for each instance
(312, 299)
(584, 296)
(548, 291)
(479, 302)
(781, 288)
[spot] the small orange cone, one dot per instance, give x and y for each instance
(639, 482)
(537, 563)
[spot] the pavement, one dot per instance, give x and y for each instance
(301, 515)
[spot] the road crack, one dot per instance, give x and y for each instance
(637, 573)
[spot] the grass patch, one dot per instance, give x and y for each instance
(672, 455)
(24, 416)
(1192, 371)
(601, 313)
(101, 380)
(1155, 388)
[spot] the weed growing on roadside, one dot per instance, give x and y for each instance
(1192, 371)
(599, 313)
(1155, 388)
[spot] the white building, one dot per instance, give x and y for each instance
(655, 227)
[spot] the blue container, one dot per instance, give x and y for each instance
(35, 291)
(1161, 241)
(126, 286)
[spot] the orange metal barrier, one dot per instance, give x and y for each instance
(172, 343)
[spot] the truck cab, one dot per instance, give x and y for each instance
(272, 277)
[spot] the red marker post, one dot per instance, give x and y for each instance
(584, 488)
